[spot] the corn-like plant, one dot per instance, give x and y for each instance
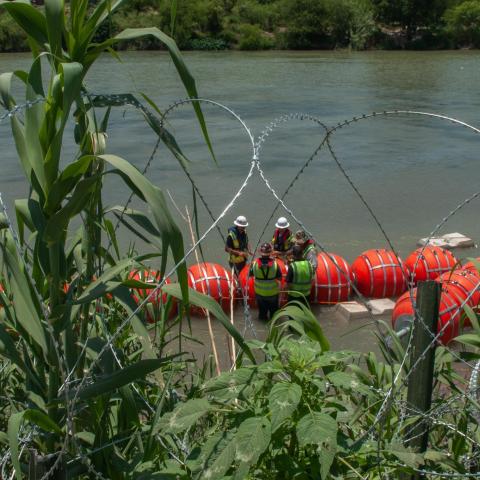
(82, 381)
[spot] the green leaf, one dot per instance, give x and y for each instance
(171, 235)
(54, 17)
(304, 321)
(282, 401)
(57, 224)
(316, 428)
(252, 439)
(183, 416)
(100, 286)
(230, 385)
(122, 377)
(216, 456)
(185, 75)
(472, 316)
(29, 19)
(469, 339)
(348, 382)
(14, 423)
(25, 307)
(200, 300)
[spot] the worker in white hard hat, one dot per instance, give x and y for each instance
(282, 240)
(237, 244)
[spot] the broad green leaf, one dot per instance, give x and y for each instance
(14, 423)
(230, 385)
(469, 339)
(216, 456)
(99, 287)
(200, 300)
(29, 19)
(122, 377)
(57, 224)
(345, 381)
(183, 416)
(185, 75)
(472, 316)
(54, 17)
(304, 321)
(25, 306)
(252, 439)
(42, 420)
(171, 235)
(282, 401)
(65, 183)
(326, 453)
(316, 428)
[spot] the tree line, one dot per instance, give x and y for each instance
(292, 24)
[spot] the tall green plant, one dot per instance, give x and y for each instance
(72, 366)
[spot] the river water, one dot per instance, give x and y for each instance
(411, 170)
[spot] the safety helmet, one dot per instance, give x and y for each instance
(266, 249)
(241, 221)
(300, 237)
(282, 222)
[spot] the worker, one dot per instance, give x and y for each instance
(282, 240)
(237, 244)
(299, 277)
(308, 248)
(267, 275)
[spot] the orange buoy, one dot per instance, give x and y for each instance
(465, 285)
(140, 294)
(379, 273)
(248, 291)
(427, 263)
(448, 318)
(213, 280)
(247, 286)
(472, 268)
(333, 279)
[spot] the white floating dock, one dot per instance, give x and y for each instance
(448, 241)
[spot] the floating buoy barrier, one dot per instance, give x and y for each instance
(213, 280)
(470, 266)
(333, 279)
(429, 262)
(140, 294)
(380, 273)
(247, 284)
(448, 317)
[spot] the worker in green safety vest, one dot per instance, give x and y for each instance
(299, 277)
(309, 252)
(267, 276)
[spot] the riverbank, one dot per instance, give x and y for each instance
(285, 25)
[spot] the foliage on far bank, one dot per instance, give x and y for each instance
(291, 24)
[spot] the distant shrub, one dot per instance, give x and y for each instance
(208, 43)
(463, 23)
(12, 39)
(253, 38)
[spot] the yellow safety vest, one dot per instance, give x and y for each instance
(236, 245)
(265, 276)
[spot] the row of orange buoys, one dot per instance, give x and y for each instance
(376, 273)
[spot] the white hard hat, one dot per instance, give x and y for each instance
(241, 221)
(282, 223)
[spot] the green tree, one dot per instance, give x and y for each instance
(463, 23)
